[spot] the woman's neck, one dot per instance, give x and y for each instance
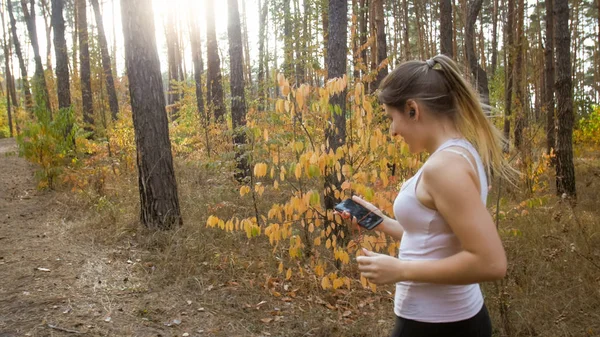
(440, 135)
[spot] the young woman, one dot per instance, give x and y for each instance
(449, 241)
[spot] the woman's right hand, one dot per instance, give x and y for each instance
(365, 204)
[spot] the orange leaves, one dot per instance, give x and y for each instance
(244, 190)
(260, 170)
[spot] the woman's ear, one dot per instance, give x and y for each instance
(413, 109)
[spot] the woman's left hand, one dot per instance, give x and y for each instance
(380, 268)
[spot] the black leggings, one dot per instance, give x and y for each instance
(476, 326)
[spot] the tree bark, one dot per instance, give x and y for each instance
(238, 101)
(215, 84)
(262, 58)
(494, 38)
(519, 78)
(445, 31)
(62, 57)
(173, 60)
(15, 38)
(106, 64)
(8, 75)
(565, 172)
(335, 132)
(196, 45)
(508, 82)
(84, 61)
(407, 52)
(40, 89)
(364, 32)
(288, 46)
(159, 203)
(381, 43)
(48, 25)
(479, 76)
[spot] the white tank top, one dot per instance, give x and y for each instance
(427, 236)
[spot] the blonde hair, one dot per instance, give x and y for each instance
(445, 92)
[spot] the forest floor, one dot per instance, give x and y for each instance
(60, 277)
(56, 281)
(73, 263)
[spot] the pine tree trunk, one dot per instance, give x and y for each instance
(288, 47)
(173, 60)
(108, 77)
(15, 38)
(518, 78)
(407, 52)
(325, 21)
(494, 38)
(479, 76)
(196, 45)
(335, 131)
(159, 203)
(262, 58)
(48, 23)
(247, 61)
(62, 57)
(84, 61)
(381, 51)
(445, 31)
(8, 76)
(74, 36)
(214, 81)
(40, 89)
(565, 172)
(508, 82)
(364, 33)
(238, 101)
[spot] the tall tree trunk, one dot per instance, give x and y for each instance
(288, 40)
(15, 38)
(62, 57)
(173, 59)
(381, 51)
(407, 52)
(196, 45)
(454, 30)
(508, 82)
(75, 36)
(214, 86)
(519, 78)
(248, 63)
(479, 75)
(355, 41)
(48, 26)
(445, 31)
(363, 5)
(8, 75)
(159, 203)
(565, 172)
(108, 77)
(40, 89)
(494, 37)
(325, 19)
(238, 101)
(262, 58)
(84, 61)
(335, 131)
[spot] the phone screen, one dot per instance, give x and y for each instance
(366, 218)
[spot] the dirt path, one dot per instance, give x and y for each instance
(54, 281)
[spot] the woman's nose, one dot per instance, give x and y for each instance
(392, 131)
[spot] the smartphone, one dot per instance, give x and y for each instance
(365, 218)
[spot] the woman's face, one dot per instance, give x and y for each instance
(406, 126)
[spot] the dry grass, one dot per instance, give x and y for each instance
(552, 287)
